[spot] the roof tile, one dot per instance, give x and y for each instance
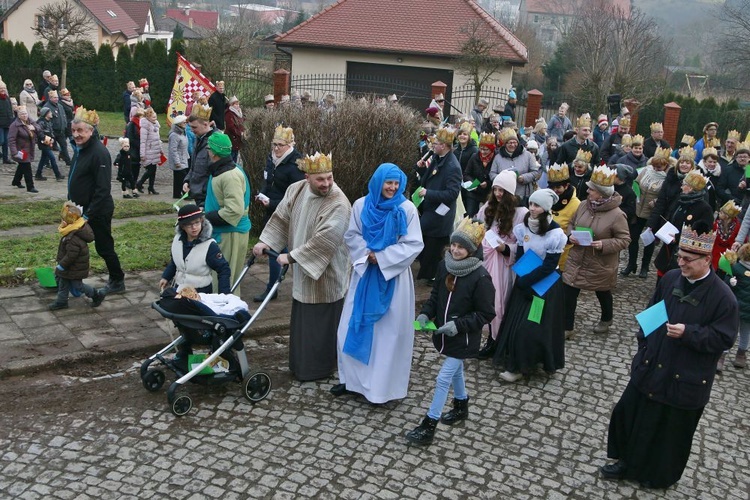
(120, 23)
(204, 18)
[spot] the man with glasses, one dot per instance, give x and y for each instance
(652, 426)
(197, 177)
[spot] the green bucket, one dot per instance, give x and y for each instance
(46, 277)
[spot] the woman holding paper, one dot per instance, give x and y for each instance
(478, 169)
(500, 214)
(532, 332)
(599, 230)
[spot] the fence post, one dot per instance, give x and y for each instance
(633, 106)
(282, 80)
(438, 87)
(533, 107)
(671, 121)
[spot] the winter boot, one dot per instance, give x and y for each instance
(489, 348)
(740, 360)
(602, 327)
(720, 364)
(630, 268)
(424, 434)
(126, 194)
(459, 412)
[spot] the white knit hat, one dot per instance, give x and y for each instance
(545, 198)
(506, 180)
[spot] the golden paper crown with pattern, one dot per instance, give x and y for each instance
(201, 111)
(731, 209)
(71, 212)
(624, 121)
(584, 156)
(507, 134)
(734, 135)
(696, 180)
(638, 140)
(710, 152)
(715, 142)
(469, 233)
(558, 173)
(688, 139)
(446, 135)
(466, 127)
(486, 139)
(283, 134)
(583, 121)
(743, 147)
(657, 127)
(626, 140)
(691, 241)
(316, 164)
(687, 153)
(604, 176)
(662, 153)
(86, 116)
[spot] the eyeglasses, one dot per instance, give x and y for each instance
(277, 145)
(195, 223)
(686, 260)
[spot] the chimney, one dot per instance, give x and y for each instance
(187, 12)
(190, 22)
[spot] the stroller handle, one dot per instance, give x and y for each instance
(271, 253)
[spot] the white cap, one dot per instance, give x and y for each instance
(507, 180)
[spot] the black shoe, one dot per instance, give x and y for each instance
(98, 298)
(60, 178)
(40, 178)
(489, 348)
(33, 190)
(424, 434)
(262, 296)
(152, 191)
(139, 188)
(114, 287)
(135, 194)
(54, 306)
(339, 390)
(643, 274)
(628, 269)
(613, 471)
(18, 185)
(459, 412)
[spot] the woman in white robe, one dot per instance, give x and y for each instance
(375, 360)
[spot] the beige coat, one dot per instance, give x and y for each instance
(596, 270)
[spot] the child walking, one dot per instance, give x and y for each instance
(461, 303)
(740, 284)
(123, 162)
(73, 258)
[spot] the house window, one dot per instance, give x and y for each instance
(111, 14)
(45, 23)
(536, 19)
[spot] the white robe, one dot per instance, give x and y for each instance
(386, 377)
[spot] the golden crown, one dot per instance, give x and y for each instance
(638, 140)
(744, 147)
(558, 173)
(624, 121)
(446, 135)
(583, 121)
(507, 134)
(466, 127)
(696, 180)
(662, 153)
(657, 127)
(687, 153)
(603, 175)
(692, 242)
(316, 164)
(715, 142)
(584, 156)
(626, 140)
(285, 134)
(732, 257)
(731, 209)
(734, 135)
(86, 116)
(473, 231)
(710, 152)
(486, 139)
(201, 111)
(688, 139)
(747, 137)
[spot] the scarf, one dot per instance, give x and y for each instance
(69, 228)
(236, 110)
(598, 203)
(534, 223)
(68, 101)
(383, 222)
(651, 180)
(463, 267)
(277, 161)
(691, 197)
(565, 198)
(489, 155)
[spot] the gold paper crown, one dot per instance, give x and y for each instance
(744, 147)
(486, 139)
(662, 153)
(316, 164)
(731, 209)
(466, 127)
(285, 134)
(558, 173)
(86, 116)
(688, 139)
(583, 121)
(446, 135)
(657, 127)
(747, 137)
(626, 140)
(692, 242)
(474, 231)
(624, 121)
(687, 153)
(731, 256)
(710, 152)
(715, 142)
(201, 111)
(604, 176)
(638, 140)
(734, 135)
(696, 180)
(584, 156)
(507, 134)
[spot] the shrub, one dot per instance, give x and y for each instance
(359, 135)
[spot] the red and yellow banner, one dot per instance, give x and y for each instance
(187, 81)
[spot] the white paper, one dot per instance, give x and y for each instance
(647, 237)
(493, 239)
(466, 185)
(584, 237)
(667, 233)
(263, 198)
(442, 209)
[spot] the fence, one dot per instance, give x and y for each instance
(464, 98)
(250, 85)
(340, 85)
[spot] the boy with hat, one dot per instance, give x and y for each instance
(73, 258)
(462, 301)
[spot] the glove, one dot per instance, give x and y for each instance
(448, 329)
(59, 267)
(733, 281)
(422, 319)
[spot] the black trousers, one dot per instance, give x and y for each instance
(105, 245)
(62, 143)
(150, 175)
(23, 170)
(635, 237)
(177, 181)
(570, 295)
(431, 255)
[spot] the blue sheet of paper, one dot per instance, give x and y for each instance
(652, 318)
(527, 263)
(542, 286)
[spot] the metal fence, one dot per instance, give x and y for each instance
(248, 84)
(464, 98)
(341, 85)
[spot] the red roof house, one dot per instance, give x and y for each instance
(205, 19)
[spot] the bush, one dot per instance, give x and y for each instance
(359, 135)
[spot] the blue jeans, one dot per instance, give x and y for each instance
(4, 142)
(48, 156)
(451, 374)
(274, 270)
(744, 335)
(66, 286)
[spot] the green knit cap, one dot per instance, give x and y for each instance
(220, 144)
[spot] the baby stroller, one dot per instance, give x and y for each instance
(199, 325)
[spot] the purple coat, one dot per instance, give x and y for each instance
(20, 138)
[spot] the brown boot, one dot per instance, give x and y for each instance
(740, 360)
(720, 364)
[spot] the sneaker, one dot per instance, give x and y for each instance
(114, 287)
(98, 298)
(40, 178)
(511, 377)
(54, 306)
(740, 360)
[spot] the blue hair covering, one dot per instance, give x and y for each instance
(383, 222)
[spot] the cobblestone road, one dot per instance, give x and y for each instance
(63, 436)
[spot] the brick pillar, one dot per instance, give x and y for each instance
(438, 87)
(533, 106)
(671, 121)
(633, 106)
(282, 83)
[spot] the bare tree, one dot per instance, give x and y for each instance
(733, 42)
(233, 45)
(479, 59)
(65, 29)
(530, 75)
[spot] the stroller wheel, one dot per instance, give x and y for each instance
(256, 386)
(181, 405)
(153, 380)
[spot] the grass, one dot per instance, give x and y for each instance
(35, 213)
(112, 124)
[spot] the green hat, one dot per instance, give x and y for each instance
(220, 144)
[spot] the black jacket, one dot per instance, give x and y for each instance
(582, 190)
(59, 118)
(475, 170)
(133, 133)
(6, 112)
(650, 145)
(630, 159)
(463, 155)
(218, 103)
(727, 188)
(126, 105)
(611, 146)
(471, 305)
(568, 150)
(90, 180)
(665, 203)
(278, 179)
(696, 213)
(628, 200)
(443, 183)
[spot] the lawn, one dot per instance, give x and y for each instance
(112, 124)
